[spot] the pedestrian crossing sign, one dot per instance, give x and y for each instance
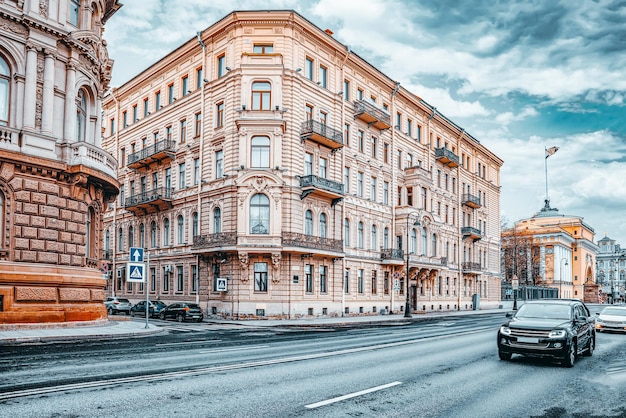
(135, 272)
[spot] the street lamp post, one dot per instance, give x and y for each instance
(561, 274)
(407, 307)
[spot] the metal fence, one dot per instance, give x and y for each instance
(528, 292)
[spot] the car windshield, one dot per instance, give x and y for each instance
(193, 305)
(613, 311)
(547, 311)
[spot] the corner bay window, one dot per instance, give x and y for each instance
(261, 93)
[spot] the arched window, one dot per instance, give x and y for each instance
(259, 214)
(107, 240)
(90, 248)
(261, 95)
(120, 240)
(74, 12)
(308, 223)
(217, 220)
(166, 232)
(260, 152)
(323, 226)
(181, 229)
(424, 241)
(413, 246)
(433, 247)
(359, 235)
(386, 238)
(194, 224)
(131, 236)
(5, 76)
(373, 238)
(81, 116)
(346, 233)
(153, 234)
(142, 236)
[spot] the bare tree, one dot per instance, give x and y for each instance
(518, 256)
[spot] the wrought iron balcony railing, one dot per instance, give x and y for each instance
(392, 254)
(158, 151)
(471, 232)
(372, 114)
(309, 241)
(152, 196)
(447, 157)
(220, 239)
(322, 134)
(471, 201)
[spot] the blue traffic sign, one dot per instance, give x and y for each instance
(135, 272)
(136, 254)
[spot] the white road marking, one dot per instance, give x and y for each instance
(188, 342)
(351, 395)
(223, 350)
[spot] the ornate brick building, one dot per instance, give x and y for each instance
(55, 178)
(269, 170)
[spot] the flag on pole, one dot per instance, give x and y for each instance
(551, 150)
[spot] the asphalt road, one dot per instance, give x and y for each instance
(447, 367)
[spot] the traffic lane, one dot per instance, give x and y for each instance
(439, 377)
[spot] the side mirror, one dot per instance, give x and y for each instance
(509, 315)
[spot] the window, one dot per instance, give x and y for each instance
(308, 111)
(217, 220)
(386, 238)
(346, 233)
(419, 133)
(183, 131)
(219, 115)
(323, 279)
(373, 184)
(413, 244)
(199, 78)
(424, 241)
(359, 94)
(346, 179)
(323, 168)
(120, 239)
(179, 279)
(124, 119)
(263, 49)
(181, 229)
(346, 135)
(346, 281)
(409, 127)
(135, 117)
(166, 282)
(386, 153)
(308, 164)
(122, 196)
(219, 164)
(359, 237)
(181, 176)
(131, 236)
(308, 68)
(197, 124)
(346, 89)
(374, 147)
(359, 273)
(74, 12)
(3, 121)
(166, 232)
(153, 234)
(261, 94)
(157, 101)
(359, 184)
(308, 223)
(81, 116)
(323, 81)
(308, 278)
(374, 282)
(170, 94)
(323, 225)
(194, 278)
(194, 224)
(142, 236)
(260, 152)
(361, 141)
(259, 214)
(399, 120)
(323, 118)
(196, 171)
(373, 238)
(221, 65)
(90, 244)
(260, 277)
(434, 246)
(146, 109)
(385, 192)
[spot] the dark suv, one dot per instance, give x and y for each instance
(560, 329)
(182, 312)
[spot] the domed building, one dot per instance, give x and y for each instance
(55, 178)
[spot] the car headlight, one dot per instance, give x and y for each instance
(557, 333)
(504, 330)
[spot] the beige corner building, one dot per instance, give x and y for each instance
(269, 170)
(55, 178)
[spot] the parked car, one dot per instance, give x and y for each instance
(182, 311)
(612, 318)
(154, 308)
(116, 305)
(561, 329)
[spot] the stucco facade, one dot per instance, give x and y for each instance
(611, 270)
(55, 179)
(266, 153)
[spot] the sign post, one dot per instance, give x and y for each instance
(515, 286)
(136, 272)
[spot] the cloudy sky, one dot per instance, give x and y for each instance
(519, 76)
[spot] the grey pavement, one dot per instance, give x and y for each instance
(123, 327)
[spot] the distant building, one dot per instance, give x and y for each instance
(269, 170)
(611, 270)
(55, 179)
(558, 251)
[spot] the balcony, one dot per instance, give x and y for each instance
(218, 240)
(310, 242)
(446, 157)
(321, 134)
(472, 233)
(159, 152)
(470, 267)
(372, 115)
(150, 201)
(471, 201)
(321, 187)
(392, 256)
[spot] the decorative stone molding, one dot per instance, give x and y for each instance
(43, 8)
(245, 262)
(276, 258)
(35, 294)
(74, 295)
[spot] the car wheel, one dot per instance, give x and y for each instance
(110, 311)
(570, 357)
(180, 318)
(132, 313)
(504, 355)
(162, 316)
(590, 347)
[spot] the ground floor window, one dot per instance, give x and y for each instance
(260, 277)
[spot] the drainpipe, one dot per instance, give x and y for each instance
(343, 164)
(200, 157)
(394, 187)
(114, 235)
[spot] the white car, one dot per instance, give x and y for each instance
(612, 318)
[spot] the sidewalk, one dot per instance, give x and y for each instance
(123, 327)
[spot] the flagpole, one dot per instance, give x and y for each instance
(546, 167)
